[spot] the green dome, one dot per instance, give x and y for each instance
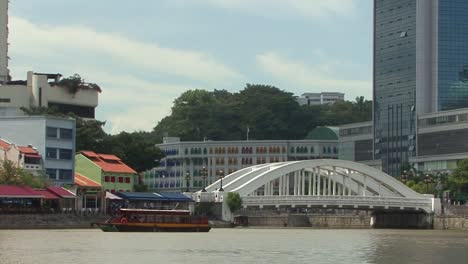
(323, 133)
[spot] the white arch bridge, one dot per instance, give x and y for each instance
(323, 183)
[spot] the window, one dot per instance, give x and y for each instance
(65, 174)
(106, 178)
(112, 179)
(127, 179)
(5, 100)
(65, 154)
(52, 132)
(51, 153)
(52, 173)
(66, 133)
(121, 179)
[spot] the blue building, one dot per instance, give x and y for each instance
(420, 67)
(54, 139)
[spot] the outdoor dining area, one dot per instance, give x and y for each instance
(26, 200)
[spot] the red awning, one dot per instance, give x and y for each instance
(13, 191)
(47, 195)
(61, 192)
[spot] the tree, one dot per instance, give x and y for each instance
(267, 112)
(10, 174)
(75, 83)
(234, 201)
(458, 181)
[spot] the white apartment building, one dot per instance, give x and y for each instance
(41, 89)
(52, 137)
(225, 157)
(320, 98)
(4, 72)
(25, 157)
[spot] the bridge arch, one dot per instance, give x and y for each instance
(316, 179)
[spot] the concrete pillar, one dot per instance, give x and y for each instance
(295, 184)
(303, 182)
(310, 183)
(287, 184)
(314, 182)
(329, 184)
(280, 186)
(343, 189)
(365, 186)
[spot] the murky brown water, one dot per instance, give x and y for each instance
(234, 246)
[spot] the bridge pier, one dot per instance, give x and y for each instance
(404, 220)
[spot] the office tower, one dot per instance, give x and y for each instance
(420, 66)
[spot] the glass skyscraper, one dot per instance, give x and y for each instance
(420, 66)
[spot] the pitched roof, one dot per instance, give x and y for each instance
(61, 192)
(108, 163)
(4, 144)
(28, 150)
(48, 195)
(83, 181)
(14, 191)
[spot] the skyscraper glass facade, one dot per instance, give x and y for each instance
(453, 55)
(394, 82)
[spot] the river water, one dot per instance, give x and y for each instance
(234, 246)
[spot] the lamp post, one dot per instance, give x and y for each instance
(221, 176)
(428, 180)
(204, 174)
(187, 179)
(404, 177)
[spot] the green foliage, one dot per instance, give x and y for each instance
(268, 113)
(75, 83)
(10, 174)
(234, 201)
(141, 187)
(458, 181)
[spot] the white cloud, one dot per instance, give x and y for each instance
(130, 101)
(287, 8)
(320, 77)
(43, 40)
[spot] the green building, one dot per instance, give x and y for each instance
(106, 169)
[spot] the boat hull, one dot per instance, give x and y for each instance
(153, 228)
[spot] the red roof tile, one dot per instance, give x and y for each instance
(18, 192)
(4, 144)
(28, 150)
(109, 157)
(89, 154)
(108, 162)
(48, 195)
(83, 181)
(62, 192)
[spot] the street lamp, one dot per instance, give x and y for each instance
(221, 176)
(428, 180)
(204, 174)
(404, 177)
(187, 179)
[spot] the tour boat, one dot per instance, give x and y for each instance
(148, 220)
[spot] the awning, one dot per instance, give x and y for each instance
(13, 191)
(61, 192)
(47, 195)
(111, 196)
(175, 197)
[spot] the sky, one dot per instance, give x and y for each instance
(145, 53)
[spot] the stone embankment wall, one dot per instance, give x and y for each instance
(314, 221)
(47, 221)
(455, 217)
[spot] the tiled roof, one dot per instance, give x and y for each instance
(14, 191)
(108, 163)
(48, 195)
(28, 150)
(90, 154)
(60, 191)
(108, 157)
(83, 181)
(4, 144)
